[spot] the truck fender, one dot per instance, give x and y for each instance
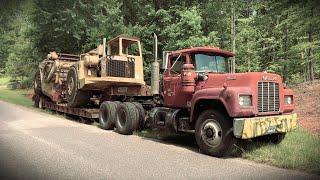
(215, 94)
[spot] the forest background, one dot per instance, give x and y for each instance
(274, 36)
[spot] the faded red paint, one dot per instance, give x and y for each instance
(223, 87)
(188, 78)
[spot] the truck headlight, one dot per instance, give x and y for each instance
(245, 100)
(288, 99)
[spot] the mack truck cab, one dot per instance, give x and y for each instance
(200, 95)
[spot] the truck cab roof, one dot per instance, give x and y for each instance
(210, 49)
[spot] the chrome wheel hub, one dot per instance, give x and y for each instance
(211, 133)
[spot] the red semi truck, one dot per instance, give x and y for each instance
(197, 94)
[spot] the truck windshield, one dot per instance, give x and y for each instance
(210, 63)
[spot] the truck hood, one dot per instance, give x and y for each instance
(238, 79)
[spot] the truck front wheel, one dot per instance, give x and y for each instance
(214, 133)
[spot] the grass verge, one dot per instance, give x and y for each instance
(300, 150)
(16, 97)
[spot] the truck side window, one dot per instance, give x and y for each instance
(176, 63)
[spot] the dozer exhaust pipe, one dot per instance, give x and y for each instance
(104, 47)
(155, 75)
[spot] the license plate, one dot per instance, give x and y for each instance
(272, 129)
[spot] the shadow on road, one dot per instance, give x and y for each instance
(184, 140)
(188, 141)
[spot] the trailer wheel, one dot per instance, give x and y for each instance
(75, 96)
(141, 114)
(107, 115)
(127, 118)
(37, 83)
(213, 133)
(41, 103)
(36, 102)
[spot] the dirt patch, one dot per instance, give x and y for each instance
(307, 101)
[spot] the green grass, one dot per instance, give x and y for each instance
(299, 150)
(4, 81)
(16, 97)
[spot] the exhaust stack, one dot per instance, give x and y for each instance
(104, 47)
(155, 75)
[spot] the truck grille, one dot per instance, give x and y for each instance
(117, 68)
(268, 97)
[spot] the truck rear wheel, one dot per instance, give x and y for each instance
(107, 115)
(75, 97)
(127, 118)
(213, 133)
(141, 114)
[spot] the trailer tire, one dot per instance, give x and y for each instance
(107, 115)
(127, 118)
(214, 133)
(36, 102)
(75, 96)
(41, 103)
(37, 83)
(141, 113)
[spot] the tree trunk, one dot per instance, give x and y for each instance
(233, 36)
(286, 51)
(157, 4)
(310, 62)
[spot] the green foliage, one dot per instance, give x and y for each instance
(75, 26)
(277, 36)
(19, 51)
(4, 81)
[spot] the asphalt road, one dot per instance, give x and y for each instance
(37, 145)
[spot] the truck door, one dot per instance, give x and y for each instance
(172, 82)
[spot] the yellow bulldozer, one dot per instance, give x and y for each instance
(113, 68)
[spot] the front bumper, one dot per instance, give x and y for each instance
(246, 128)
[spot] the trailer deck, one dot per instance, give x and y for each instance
(92, 113)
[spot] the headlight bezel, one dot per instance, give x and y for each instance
(245, 100)
(288, 99)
